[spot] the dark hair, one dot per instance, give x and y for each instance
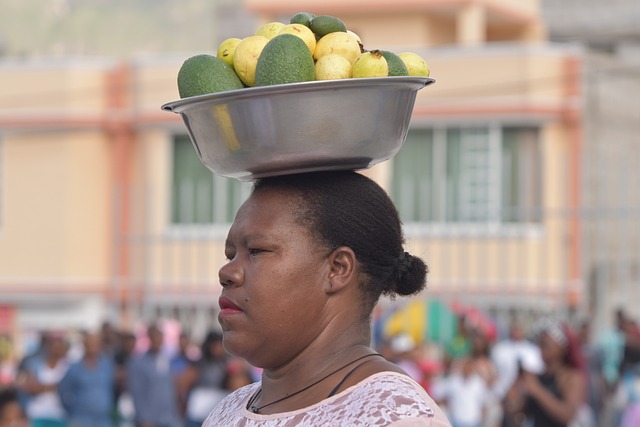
(7, 396)
(345, 208)
(205, 348)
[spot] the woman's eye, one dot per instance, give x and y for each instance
(255, 251)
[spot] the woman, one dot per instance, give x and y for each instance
(203, 382)
(44, 407)
(309, 256)
(555, 397)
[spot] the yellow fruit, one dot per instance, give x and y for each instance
(269, 30)
(227, 49)
(416, 66)
(357, 38)
(340, 43)
(332, 67)
(303, 32)
(246, 57)
(370, 64)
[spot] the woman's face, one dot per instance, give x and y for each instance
(550, 350)
(272, 303)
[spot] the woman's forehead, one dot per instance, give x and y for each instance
(266, 210)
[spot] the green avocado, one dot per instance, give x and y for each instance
(303, 18)
(202, 74)
(396, 65)
(324, 24)
(285, 59)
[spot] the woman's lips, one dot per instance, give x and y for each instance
(228, 307)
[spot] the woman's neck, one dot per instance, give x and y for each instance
(305, 384)
(553, 367)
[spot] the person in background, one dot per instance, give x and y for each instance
(465, 393)
(181, 360)
(460, 345)
(509, 355)
(239, 374)
(87, 389)
(554, 397)
(110, 338)
(124, 410)
(11, 413)
(406, 354)
(152, 386)
(593, 357)
(44, 408)
(202, 385)
(26, 365)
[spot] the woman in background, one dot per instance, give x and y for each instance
(558, 395)
(203, 382)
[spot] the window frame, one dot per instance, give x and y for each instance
(497, 226)
(202, 230)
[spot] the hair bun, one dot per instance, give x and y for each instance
(411, 274)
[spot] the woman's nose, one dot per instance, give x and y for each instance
(231, 274)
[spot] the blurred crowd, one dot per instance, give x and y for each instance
(549, 373)
(112, 380)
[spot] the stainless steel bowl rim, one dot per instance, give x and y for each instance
(302, 87)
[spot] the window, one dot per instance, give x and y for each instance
(199, 196)
(469, 175)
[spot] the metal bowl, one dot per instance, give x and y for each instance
(300, 127)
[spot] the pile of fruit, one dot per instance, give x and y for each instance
(308, 48)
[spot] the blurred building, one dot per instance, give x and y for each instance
(609, 37)
(106, 212)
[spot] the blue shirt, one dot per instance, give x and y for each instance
(87, 392)
(152, 389)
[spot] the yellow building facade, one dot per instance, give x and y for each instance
(106, 214)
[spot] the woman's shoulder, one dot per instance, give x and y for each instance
(569, 378)
(232, 406)
(382, 399)
(392, 395)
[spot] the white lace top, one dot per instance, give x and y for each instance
(383, 399)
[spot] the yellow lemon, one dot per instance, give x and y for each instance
(269, 30)
(357, 38)
(332, 67)
(227, 49)
(246, 57)
(416, 66)
(370, 64)
(340, 43)
(302, 32)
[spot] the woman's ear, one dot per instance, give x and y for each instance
(343, 270)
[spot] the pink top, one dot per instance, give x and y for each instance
(383, 399)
